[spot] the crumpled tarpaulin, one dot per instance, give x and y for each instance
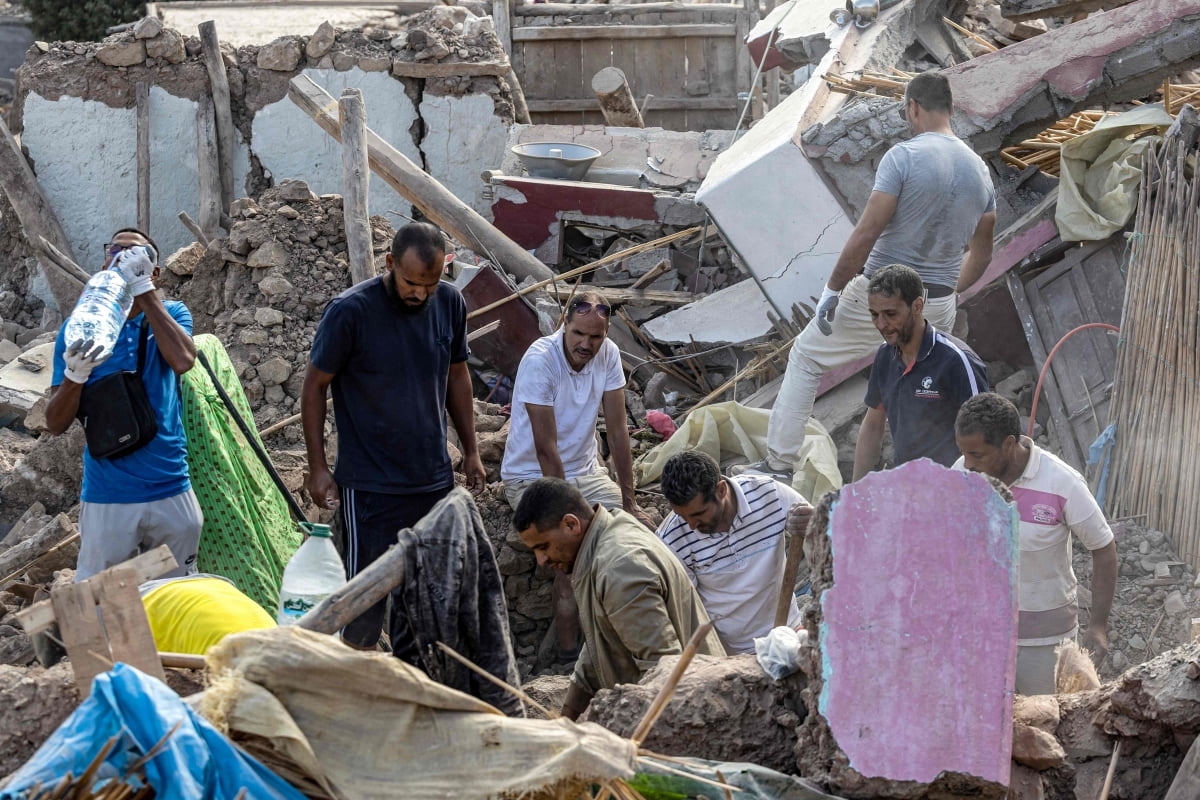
(1100, 171)
(366, 725)
(725, 429)
(753, 781)
(195, 762)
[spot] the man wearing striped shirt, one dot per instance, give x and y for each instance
(920, 378)
(729, 535)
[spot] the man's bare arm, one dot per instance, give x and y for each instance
(870, 442)
(979, 252)
(545, 439)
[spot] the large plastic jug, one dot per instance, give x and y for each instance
(100, 311)
(314, 573)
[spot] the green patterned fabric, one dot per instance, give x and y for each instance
(248, 536)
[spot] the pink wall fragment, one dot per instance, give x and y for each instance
(919, 631)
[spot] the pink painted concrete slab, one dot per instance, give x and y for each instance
(919, 634)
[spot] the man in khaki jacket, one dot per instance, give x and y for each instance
(636, 603)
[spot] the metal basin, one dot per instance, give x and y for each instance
(557, 160)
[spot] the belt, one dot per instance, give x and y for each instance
(936, 292)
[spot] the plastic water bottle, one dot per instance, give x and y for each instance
(314, 573)
(101, 310)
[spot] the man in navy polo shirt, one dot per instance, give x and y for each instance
(394, 350)
(920, 378)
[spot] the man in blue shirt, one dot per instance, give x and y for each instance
(139, 501)
(394, 351)
(920, 378)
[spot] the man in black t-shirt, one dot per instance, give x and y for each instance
(394, 350)
(920, 377)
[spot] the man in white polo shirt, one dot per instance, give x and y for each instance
(563, 381)
(1054, 503)
(729, 534)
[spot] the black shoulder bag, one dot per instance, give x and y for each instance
(115, 411)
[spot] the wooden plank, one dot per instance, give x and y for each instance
(414, 184)
(621, 296)
(658, 103)
(208, 168)
(142, 99)
(150, 564)
(538, 74)
(541, 33)
(218, 82)
(129, 637)
(722, 66)
(82, 634)
(569, 80)
(742, 68)
(502, 21)
(356, 181)
(697, 81)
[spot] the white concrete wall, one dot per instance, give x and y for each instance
(463, 137)
(86, 160)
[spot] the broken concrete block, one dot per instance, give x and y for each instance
(8, 351)
(802, 33)
(169, 46)
(271, 254)
(1037, 711)
(184, 260)
(147, 28)
(122, 54)
(737, 314)
(1174, 604)
(321, 40)
(374, 63)
(911, 560)
(281, 55)
(294, 191)
(21, 387)
(1035, 748)
(1036, 9)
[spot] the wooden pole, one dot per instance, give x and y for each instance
(660, 702)
(36, 217)
(520, 107)
(502, 20)
(611, 88)
(142, 92)
(422, 190)
(356, 181)
(209, 169)
(787, 584)
(360, 593)
(218, 80)
(191, 225)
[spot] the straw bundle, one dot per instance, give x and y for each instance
(1156, 389)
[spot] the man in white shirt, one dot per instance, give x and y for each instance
(563, 381)
(729, 535)
(1054, 502)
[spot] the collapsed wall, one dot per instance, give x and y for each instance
(432, 87)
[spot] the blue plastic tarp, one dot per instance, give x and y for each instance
(195, 763)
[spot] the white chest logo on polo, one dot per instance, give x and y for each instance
(1045, 514)
(927, 391)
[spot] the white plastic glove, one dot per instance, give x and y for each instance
(83, 357)
(135, 266)
(825, 308)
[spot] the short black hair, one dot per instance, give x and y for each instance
(590, 296)
(897, 280)
(931, 91)
(140, 233)
(991, 415)
(688, 474)
(426, 239)
(546, 502)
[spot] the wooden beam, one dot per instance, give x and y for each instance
(208, 168)
(479, 333)
(17, 558)
(435, 201)
(142, 96)
(655, 104)
(616, 99)
(74, 606)
(502, 22)
(541, 33)
(36, 217)
(356, 181)
(218, 80)
(129, 636)
(621, 296)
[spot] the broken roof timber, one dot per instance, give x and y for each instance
(1036, 9)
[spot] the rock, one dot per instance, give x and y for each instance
(281, 55)
(1037, 711)
(295, 192)
(488, 423)
(374, 63)
(1174, 604)
(1144, 547)
(491, 447)
(254, 336)
(273, 285)
(1025, 784)
(549, 691)
(122, 53)
(169, 46)
(287, 212)
(321, 41)
(1136, 642)
(271, 254)
(446, 17)
(510, 562)
(8, 351)
(400, 42)
(435, 52)
(268, 317)
(538, 604)
(244, 207)
(274, 371)
(184, 260)
(147, 28)
(1035, 748)
(1011, 386)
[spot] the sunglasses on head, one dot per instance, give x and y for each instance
(113, 248)
(583, 308)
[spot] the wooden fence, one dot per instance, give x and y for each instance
(690, 57)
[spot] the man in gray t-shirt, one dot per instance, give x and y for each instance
(933, 202)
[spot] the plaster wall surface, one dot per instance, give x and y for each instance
(85, 156)
(291, 146)
(463, 137)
